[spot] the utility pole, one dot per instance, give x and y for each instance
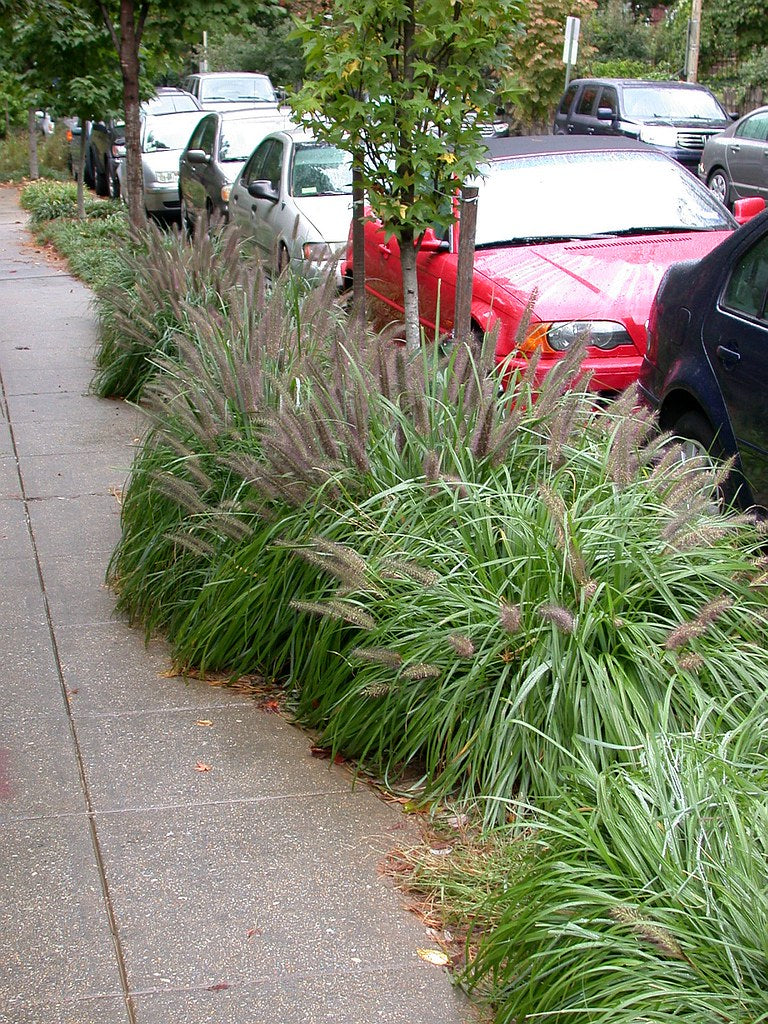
(694, 40)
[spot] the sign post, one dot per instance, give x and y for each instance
(571, 46)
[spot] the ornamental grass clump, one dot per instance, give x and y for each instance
(647, 898)
(478, 586)
(164, 277)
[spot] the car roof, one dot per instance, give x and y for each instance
(539, 145)
(629, 83)
(228, 74)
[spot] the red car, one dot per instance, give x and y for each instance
(583, 228)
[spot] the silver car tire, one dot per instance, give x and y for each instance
(719, 185)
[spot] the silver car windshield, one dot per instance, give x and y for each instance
(587, 195)
(169, 131)
(657, 103)
(320, 170)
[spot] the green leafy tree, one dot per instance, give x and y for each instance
(537, 57)
(402, 84)
(141, 27)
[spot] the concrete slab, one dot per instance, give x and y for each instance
(87, 523)
(21, 600)
(76, 592)
(223, 895)
(55, 942)
(252, 754)
(47, 379)
(30, 679)
(39, 774)
(15, 541)
(109, 670)
(70, 475)
(10, 485)
(97, 1010)
(362, 995)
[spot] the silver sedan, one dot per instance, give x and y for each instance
(163, 137)
(293, 199)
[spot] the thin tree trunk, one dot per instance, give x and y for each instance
(129, 66)
(358, 240)
(81, 171)
(462, 320)
(34, 168)
(410, 290)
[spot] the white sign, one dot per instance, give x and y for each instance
(571, 47)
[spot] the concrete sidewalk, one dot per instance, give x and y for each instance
(134, 888)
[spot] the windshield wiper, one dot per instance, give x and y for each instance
(660, 229)
(537, 240)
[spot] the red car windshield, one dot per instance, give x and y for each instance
(558, 196)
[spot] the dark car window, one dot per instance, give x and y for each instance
(609, 100)
(567, 100)
(747, 289)
(587, 101)
(208, 136)
(196, 139)
(755, 127)
(266, 163)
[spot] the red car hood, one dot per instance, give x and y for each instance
(605, 279)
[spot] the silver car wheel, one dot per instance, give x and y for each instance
(718, 186)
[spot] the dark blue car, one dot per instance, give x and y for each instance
(706, 366)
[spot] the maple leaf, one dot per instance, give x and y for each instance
(201, 766)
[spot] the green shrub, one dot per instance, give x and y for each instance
(52, 154)
(648, 899)
(95, 249)
(53, 200)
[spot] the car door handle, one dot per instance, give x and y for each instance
(590, 131)
(727, 356)
(385, 251)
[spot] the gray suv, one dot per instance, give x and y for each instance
(675, 117)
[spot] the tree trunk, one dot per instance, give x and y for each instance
(81, 171)
(462, 319)
(34, 169)
(410, 289)
(358, 240)
(129, 67)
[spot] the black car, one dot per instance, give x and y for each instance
(706, 365)
(676, 117)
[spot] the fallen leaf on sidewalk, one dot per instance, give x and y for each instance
(434, 956)
(253, 931)
(203, 721)
(219, 987)
(201, 766)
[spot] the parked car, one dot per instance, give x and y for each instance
(106, 140)
(231, 90)
(734, 163)
(163, 137)
(214, 156)
(706, 367)
(675, 117)
(293, 199)
(582, 228)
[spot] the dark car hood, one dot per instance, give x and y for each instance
(607, 279)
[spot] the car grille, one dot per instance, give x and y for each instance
(693, 139)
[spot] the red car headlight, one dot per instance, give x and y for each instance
(561, 335)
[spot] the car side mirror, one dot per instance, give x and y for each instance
(198, 156)
(604, 114)
(431, 243)
(263, 190)
(746, 209)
